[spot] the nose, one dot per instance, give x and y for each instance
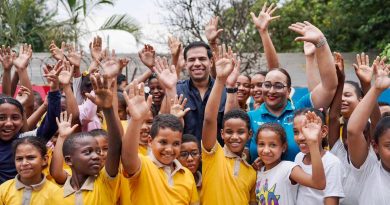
(168, 149)
(266, 149)
(197, 62)
(8, 122)
(190, 158)
(241, 87)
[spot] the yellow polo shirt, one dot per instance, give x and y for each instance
(14, 192)
(227, 178)
(98, 189)
(155, 183)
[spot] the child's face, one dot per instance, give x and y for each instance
(11, 121)
(86, 157)
(122, 112)
(166, 145)
(156, 90)
(145, 129)
(29, 162)
(244, 87)
(349, 100)
(235, 134)
(190, 156)
(300, 138)
(270, 147)
(103, 144)
(383, 149)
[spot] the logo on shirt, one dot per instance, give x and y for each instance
(266, 196)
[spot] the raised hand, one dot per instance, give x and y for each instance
(25, 54)
(123, 62)
(362, 69)
(23, 95)
(265, 17)
(103, 90)
(96, 48)
(6, 58)
(74, 56)
(64, 124)
(135, 100)
(52, 73)
(177, 106)
(339, 63)
(223, 62)
(175, 46)
(211, 30)
(382, 71)
(166, 74)
(66, 73)
(232, 79)
(57, 53)
(309, 32)
(308, 48)
(147, 56)
(110, 65)
(311, 128)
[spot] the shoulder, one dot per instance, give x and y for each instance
(6, 185)
(330, 159)
(299, 158)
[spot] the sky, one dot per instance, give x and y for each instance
(146, 12)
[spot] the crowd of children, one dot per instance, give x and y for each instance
(96, 140)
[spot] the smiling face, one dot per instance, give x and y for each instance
(86, 156)
(29, 162)
(156, 90)
(198, 64)
(103, 144)
(275, 99)
(257, 88)
(165, 145)
(235, 135)
(300, 139)
(11, 121)
(145, 129)
(270, 148)
(190, 156)
(349, 100)
(383, 149)
(244, 87)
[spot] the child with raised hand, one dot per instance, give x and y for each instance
(225, 167)
(309, 123)
(367, 170)
(90, 183)
(277, 180)
(158, 178)
(30, 185)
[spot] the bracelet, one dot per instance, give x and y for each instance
(321, 42)
(231, 90)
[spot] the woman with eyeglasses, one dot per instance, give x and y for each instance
(276, 89)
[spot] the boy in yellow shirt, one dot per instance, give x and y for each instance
(157, 178)
(227, 177)
(89, 183)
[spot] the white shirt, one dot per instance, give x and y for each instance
(373, 181)
(333, 173)
(274, 186)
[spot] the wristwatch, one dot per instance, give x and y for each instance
(231, 90)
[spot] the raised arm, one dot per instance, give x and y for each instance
(176, 48)
(64, 78)
(6, 60)
(358, 146)
(147, 56)
(178, 107)
(335, 106)
(65, 129)
(33, 120)
(261, 22)
(212, 33)
(21, 63)
(311, 129)
(231, 98)
(224, 66)
(103, 87)
(138, 109)
(323, 93)
(312, 75)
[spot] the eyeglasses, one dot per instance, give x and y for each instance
(277, 86)
(185, 155)
(245, 85)
(258, 85)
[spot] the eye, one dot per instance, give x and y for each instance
(3, 117)
(18, 159)
(260, 144)
(272, 145)
(163, 142)
(296, 132)
(31, 157)
(176, 144)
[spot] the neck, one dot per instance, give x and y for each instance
(32, 181)
(307, 158)
(278, 110)
(204, 84)
(272, 165)
(77, 180)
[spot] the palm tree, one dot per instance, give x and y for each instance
(79, 11)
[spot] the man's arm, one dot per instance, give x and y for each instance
(212, 34)
(6, 60)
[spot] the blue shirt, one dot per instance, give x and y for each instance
(262, 115)
(193, 120)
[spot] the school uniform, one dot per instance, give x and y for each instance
(155, 183)
(226, 178)
(14, 192)
(98, 189)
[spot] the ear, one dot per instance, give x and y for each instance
(68, 160)
(150, 141)
(375, 146)
(324, 131)
(284, 147)
(249, 134)
(222, 134)
(45, 160)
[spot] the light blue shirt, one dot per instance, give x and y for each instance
(262, 115)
